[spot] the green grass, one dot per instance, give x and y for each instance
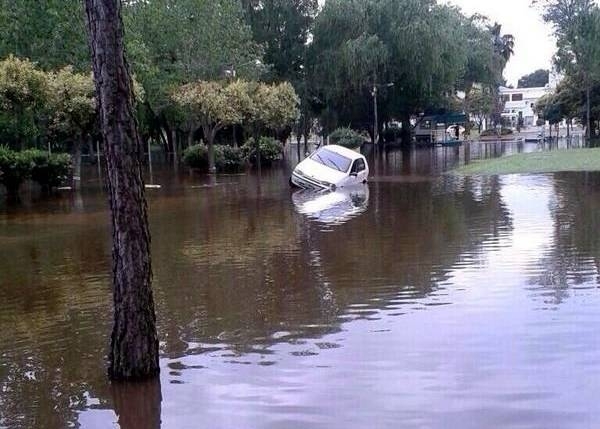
(538, 162)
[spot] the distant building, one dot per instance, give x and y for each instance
(521, 102)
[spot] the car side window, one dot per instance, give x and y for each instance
(358, 166)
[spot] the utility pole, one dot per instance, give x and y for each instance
(375, 115)
(375, 121)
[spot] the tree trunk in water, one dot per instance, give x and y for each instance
(134, 342)
(137, 405)
(209, 135)
(190, 138)
(77, 162)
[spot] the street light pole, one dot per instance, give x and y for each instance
(375, 113)
(375, 120)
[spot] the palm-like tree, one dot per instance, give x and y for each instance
(504, 44)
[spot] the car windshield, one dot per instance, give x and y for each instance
(331, 159)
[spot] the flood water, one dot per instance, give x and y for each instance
(419, 301)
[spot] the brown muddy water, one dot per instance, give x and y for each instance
(419, 301)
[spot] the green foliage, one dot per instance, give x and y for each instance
(282, 27)
(273, 107)
(346, 137)
(214, 105)
(172, 43)
(196, 156)
(480, 104)
(47, 170)
(23, 97)
(538, 78)
(71, 103)
(427, 49)
(270, 150)
(50, 32)
(536, 162)
(15, 168)
(227, 158)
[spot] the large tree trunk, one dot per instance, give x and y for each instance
(134, 341)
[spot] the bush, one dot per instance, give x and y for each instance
(47, 170)
(346, 137)
(196, 156)
(15, 168)
(270, 150)
(227, 158)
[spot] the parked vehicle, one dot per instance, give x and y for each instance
(331, 167)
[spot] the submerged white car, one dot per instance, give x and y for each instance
(331, 167)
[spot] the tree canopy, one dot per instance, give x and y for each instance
(428, 50)
(538, 78)
(333, 55)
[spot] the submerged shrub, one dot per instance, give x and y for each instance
(196, 156)
(15, 168)
(346, 137)
(48, 170)
(270, 150)
(227, 158)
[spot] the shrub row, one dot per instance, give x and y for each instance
(47, 170)
(231, 159)
(346, 137)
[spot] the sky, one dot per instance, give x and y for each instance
(534, 44)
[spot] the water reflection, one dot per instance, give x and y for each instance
(138, 404)
(476, 293)
(332, 208)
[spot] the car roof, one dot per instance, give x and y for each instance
(348, 153)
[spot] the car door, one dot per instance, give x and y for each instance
(358, 173)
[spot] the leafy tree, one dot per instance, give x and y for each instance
(173, 43)
(428, 50)
(479, 104)
(282, 27)
(72, 109)
(504, 44)
(49, 32)
(23, 95)
(213, 106)
(538, 78)
(577, 30)
(273, 107)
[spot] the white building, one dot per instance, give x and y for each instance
(520, 102)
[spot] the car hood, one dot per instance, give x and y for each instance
(318, 171)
